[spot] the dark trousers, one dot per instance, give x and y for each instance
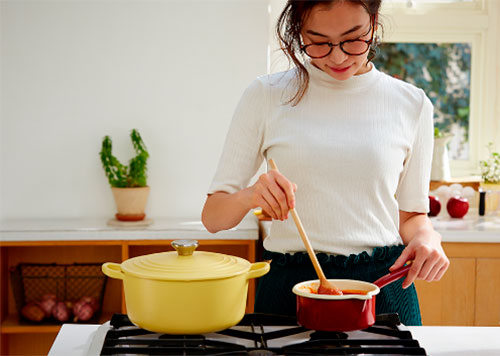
(274, 292)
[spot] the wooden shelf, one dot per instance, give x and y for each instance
(11, 325)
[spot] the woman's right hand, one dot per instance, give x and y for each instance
(274, 193)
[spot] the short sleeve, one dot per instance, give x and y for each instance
(413, 189)
(242, 154)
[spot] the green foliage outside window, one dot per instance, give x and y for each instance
(441, 70)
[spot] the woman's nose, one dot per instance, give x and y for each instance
(337, 56)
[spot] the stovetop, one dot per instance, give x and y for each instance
(258, 334)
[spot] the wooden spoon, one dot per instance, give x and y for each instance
(325, 286)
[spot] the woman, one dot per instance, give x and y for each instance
(354, 148)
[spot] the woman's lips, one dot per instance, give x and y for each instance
(339, 70)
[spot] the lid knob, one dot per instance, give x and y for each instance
(185, 247)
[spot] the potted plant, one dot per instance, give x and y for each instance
(490, 174)
(128, 183)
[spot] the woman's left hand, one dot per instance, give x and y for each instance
(423, 247)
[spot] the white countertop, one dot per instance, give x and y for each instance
(98, 229)
(471, 228)
(458, 340)
(74, 340)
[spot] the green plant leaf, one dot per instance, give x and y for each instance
(119, 175)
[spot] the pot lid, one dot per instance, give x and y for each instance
(185, 264)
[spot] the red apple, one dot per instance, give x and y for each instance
(434, 206)
(457, 207)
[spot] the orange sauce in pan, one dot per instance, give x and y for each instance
(344, 291)
(354, 291)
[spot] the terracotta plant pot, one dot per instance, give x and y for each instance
(130, 203)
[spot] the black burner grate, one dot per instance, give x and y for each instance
(125, 338)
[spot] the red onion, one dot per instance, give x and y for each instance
(82, 311)
(47, 305)
(94, 303)
(60, 312)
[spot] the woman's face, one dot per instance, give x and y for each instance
(335, 23)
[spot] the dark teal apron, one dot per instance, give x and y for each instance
(274, 292)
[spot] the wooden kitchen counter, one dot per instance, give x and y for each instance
(66, 241)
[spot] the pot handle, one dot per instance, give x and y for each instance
(393, 276)
(258, 269)
(113, 270)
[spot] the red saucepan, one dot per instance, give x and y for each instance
(346, 312)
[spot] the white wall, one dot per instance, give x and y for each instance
(74, 71)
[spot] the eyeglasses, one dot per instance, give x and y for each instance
(355, 47)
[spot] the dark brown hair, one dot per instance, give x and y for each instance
(289, 27)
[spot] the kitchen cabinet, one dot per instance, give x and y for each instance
(468, 294)
(103, 245)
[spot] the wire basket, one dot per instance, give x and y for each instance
(69, 282)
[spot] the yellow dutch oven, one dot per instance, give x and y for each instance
(185, 291)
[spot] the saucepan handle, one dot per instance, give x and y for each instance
(393, 276)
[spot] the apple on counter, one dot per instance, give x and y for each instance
(434, 205)
(457, 206)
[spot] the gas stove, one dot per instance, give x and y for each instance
(258, 334)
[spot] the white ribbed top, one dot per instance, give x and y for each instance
(359, 150)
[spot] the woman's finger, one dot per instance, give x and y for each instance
(414, 271)
(265, 202)
(267, 211)
(433, 273)
(441, 272)
(402, 259)
(273, 204)
(280, 198)
(425, 270)
(441, 265)
(288, 188)
(432, 262)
